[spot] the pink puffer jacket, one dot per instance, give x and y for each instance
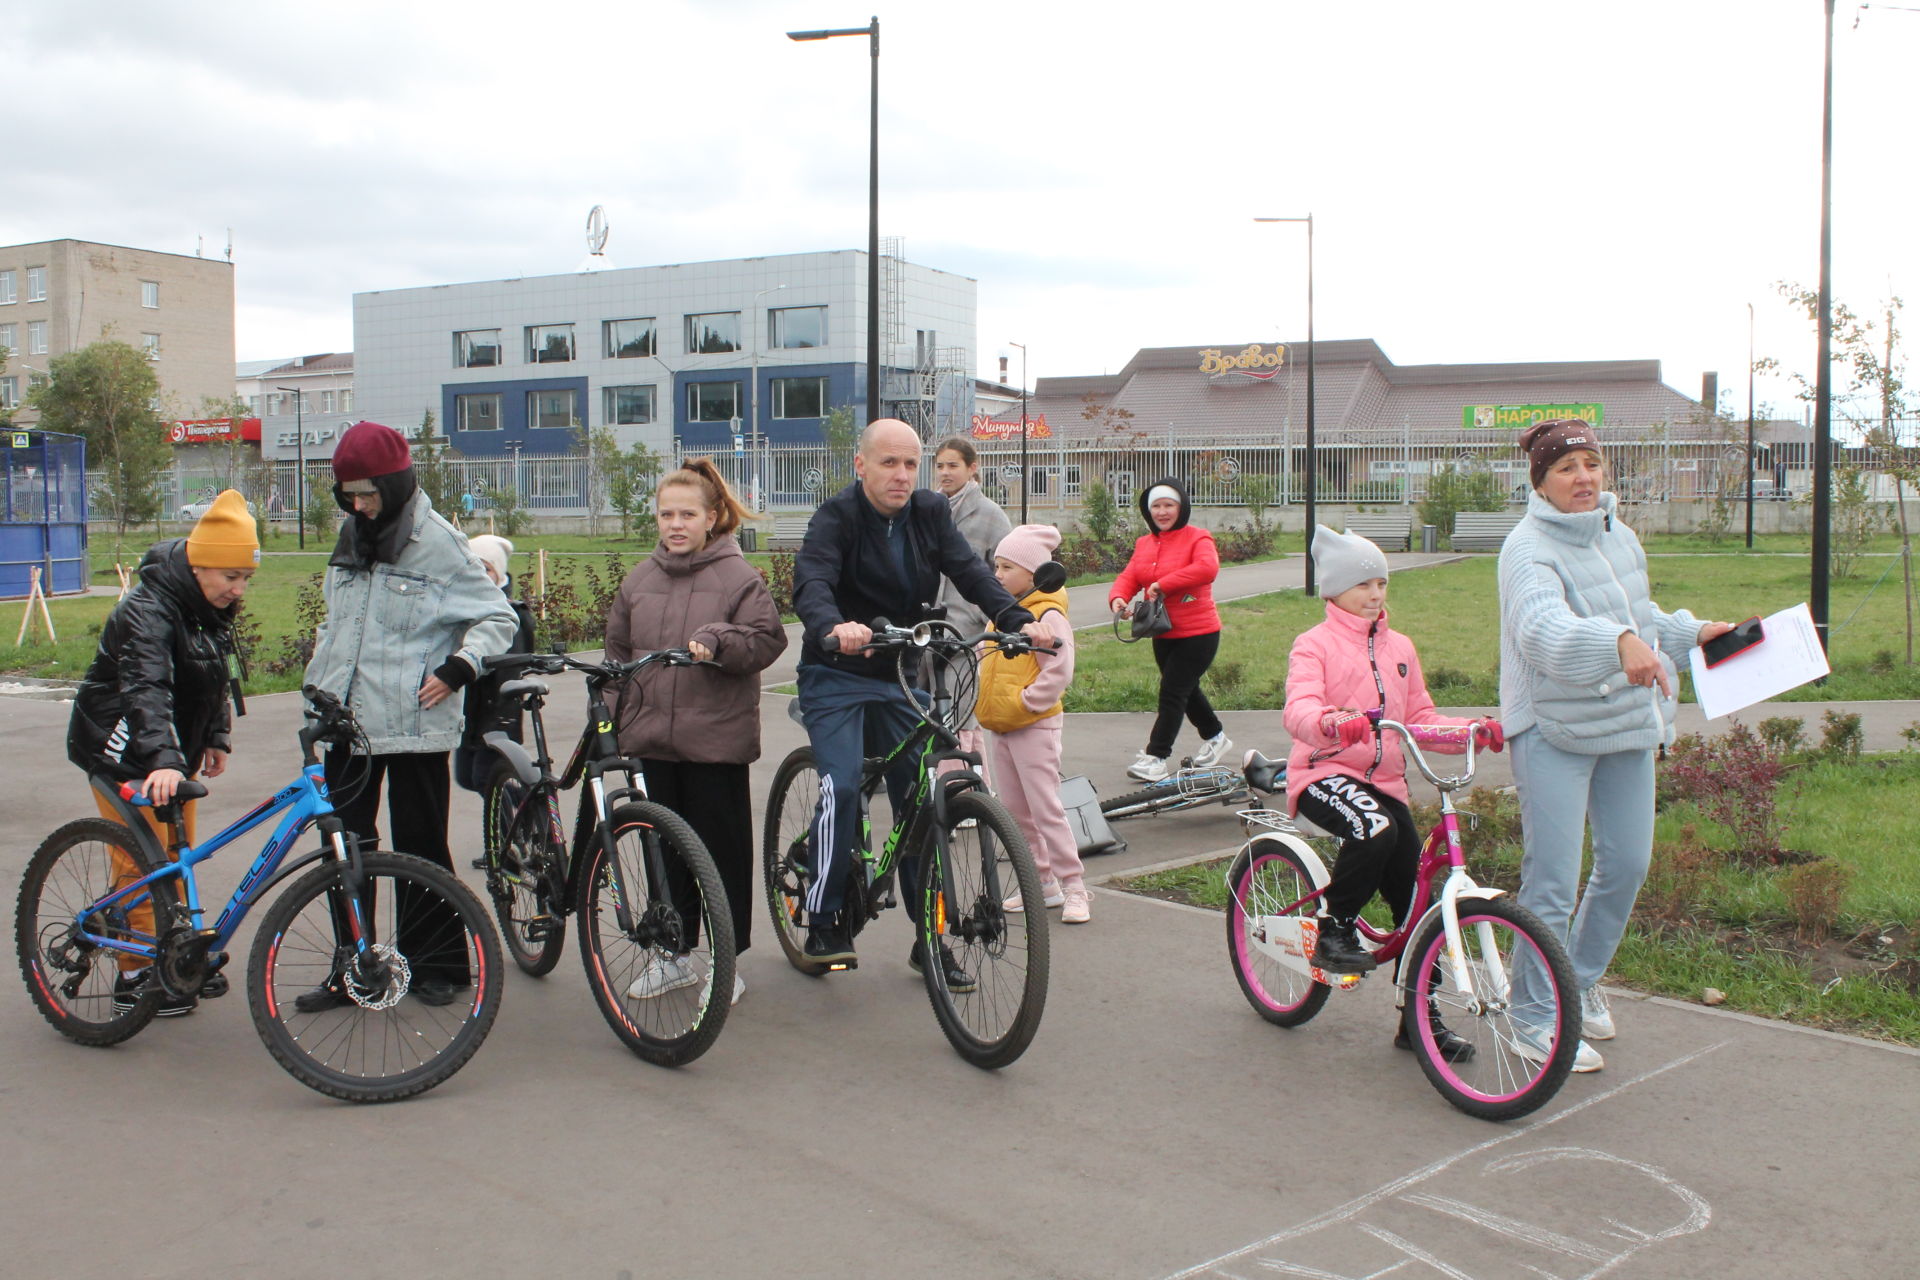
(1348, 662)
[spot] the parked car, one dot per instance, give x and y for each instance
(192, 511)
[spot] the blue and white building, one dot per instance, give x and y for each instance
(674, 357)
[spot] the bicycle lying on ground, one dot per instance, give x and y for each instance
(972, 856)
(370, 927)
(1187, 787)
(656, 936)
(1469, 960)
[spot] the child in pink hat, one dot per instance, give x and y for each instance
(1020, 707)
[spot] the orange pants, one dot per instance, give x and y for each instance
(125, 873)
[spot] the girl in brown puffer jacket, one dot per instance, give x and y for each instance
(696, 729)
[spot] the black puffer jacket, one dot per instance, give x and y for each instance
(155, 696)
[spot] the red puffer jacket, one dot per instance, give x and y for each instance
(1184, 561)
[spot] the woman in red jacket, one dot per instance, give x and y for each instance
(1176, 561)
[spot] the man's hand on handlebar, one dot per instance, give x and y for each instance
(851, 637)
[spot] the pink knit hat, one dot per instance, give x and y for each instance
(1029, 545)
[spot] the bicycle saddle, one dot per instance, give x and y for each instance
(1263, 774)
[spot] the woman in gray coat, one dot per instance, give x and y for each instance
(956, 473)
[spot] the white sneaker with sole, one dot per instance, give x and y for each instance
(1079, 908)
(1148, 768)
(663, 975)
(1213, 750)
(739, 988)
(1596, 1020)
(1050, 895)
(1531, 1044)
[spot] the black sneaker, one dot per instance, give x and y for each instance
(129, 987)
(1338, 949)
(214, 987)
(1452, 1047)
(328, 995)
(959, 981)
(435, 991)
(828, 944)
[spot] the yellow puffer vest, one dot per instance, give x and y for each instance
(1002, 678)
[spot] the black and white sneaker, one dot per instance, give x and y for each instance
(128, 989)
(959, 981)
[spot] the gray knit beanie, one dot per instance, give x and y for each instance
(1343, 560)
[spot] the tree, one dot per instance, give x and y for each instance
(601, 449)
(434, 472)
(105, 393)
(236, 463)
(1451, 490)
(630, 483)
(6, 411)
(843, 440)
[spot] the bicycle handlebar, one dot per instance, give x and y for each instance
(606, 669)
(926, 635)
(1433, 735)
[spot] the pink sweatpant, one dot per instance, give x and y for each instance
(1026, 774)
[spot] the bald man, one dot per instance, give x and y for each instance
(876, 549)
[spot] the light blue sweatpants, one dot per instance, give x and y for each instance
(1560, 793)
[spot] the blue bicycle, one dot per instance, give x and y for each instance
(336, 958)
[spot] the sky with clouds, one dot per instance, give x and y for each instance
(1490, 181)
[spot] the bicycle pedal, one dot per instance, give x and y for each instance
(541, 928)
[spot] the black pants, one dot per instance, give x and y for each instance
(1379, 846)
(418, 792)
(1182, 662)
(717, 802)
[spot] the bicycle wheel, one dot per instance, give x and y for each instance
(784, 853)
(1264, 881)
(375, 1044)
(71, 980)
(1161, 797)
(1005, 953)
(1502, 1078)
(666, 982)
(520, 856)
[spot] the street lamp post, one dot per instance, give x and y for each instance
(872, 31)
(1749, 426)
(754, 419)
(300, 462)
(1823, 367)
(1312, 466)
(1023, 428)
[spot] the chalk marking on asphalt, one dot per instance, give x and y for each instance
(1390, 1189)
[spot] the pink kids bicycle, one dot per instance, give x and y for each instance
(1469, 959)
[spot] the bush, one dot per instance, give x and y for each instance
(573, 612)
(1680, 876)
(508, 518)
(779, 576)
(1841, 736)
(1734, 779)
(1784, 734)
(1814, 892)
(296, 649)
(1450, 490)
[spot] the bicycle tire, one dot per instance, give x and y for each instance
(514, 889)
(1161, 797)
(1498, 1082)
(791, 802)
(1006, 953)
(71, 869)
(393, 1046)
(674, 1027)
(1265, 877)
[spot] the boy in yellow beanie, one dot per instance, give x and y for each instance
(153, 706)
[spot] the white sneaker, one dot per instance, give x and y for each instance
(1148, 768)
(739, 988)
(1596, 1020)
(1050, 895)
(1079, 909)
(661, 976)
(1213, 750)
(1531, 1044)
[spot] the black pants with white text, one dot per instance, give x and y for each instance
(1379, 845)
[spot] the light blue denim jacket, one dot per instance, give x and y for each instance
(389, 628)
(1571, 583)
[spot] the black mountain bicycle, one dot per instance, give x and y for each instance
(972, 856)
(655, 933)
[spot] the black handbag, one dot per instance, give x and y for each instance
(1149, 619)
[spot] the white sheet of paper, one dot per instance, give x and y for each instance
(1788, 658)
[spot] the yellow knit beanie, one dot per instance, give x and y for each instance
(226, 537)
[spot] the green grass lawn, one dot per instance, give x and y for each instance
(1452, 613)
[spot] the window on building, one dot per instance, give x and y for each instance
(476, 348)
(713, 401)
(254, 406)
(7, 293)
(346, 400)
(799, 397)
(625, 339)
(36, 284)
(9, 392)
(798, 327)
(552, 410)
(150, 345)
(477, 413)
(715, 331)
(10, 336)
(1072, 481)
(150, 294)
(627, 406)
(326, 401)
(36, 337)
(549, 343)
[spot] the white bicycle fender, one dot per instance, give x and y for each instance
(1316, 869)
(1280, 937)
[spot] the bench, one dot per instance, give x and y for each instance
(1483, 530)
(788, 533)
(1387, 531)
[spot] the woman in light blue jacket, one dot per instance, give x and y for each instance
(1587, 680)
(410, 614)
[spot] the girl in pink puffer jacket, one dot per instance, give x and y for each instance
(1341, 775)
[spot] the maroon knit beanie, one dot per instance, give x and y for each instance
(369, 449)
(1545, 443)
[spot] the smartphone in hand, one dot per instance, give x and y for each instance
(1738, 640)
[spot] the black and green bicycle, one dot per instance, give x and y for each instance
(974, 860)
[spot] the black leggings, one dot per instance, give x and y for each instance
(717, 802)
(1379, 847)
(1182, 662)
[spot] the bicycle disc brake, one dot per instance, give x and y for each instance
(378, 981)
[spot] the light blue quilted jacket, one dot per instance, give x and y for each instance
(1570, 585)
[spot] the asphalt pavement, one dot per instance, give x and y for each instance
(1156, 1127)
